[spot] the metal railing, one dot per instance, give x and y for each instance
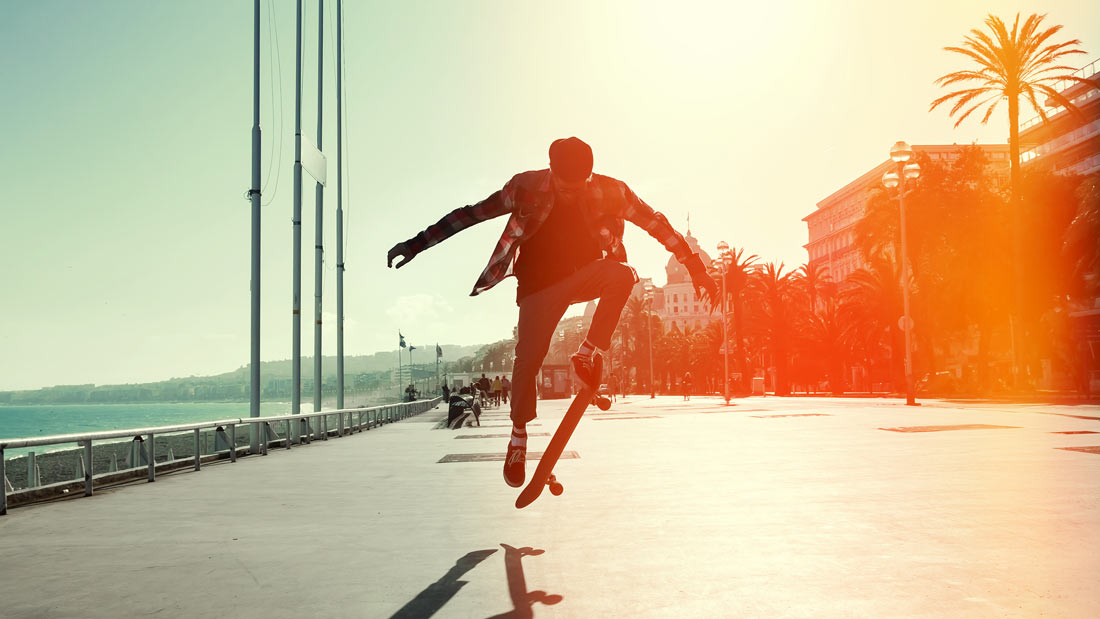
(1085, 72)
(357, 419)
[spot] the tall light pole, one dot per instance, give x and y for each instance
(649, 292)
(296, 222)
(340, 209)
(722, 264)
(254, 195)
(319, 236)
(900, 154)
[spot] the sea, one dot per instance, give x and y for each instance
(50, 419)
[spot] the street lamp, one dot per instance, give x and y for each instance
(900, 154)
(649, 290)
(721, 265)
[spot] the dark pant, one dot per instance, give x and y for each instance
(539, 313)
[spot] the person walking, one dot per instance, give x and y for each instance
(505, 387)
(687, 385)
(563, 243)
(497, 387)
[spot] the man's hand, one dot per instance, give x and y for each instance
(705, 286)
(401, 250)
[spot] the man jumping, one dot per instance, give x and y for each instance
(563, 242)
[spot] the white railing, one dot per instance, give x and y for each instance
(357, 419)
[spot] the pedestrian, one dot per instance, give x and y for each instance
(687, 385)
(569, 223)
(614, 386)
(497, 387)
(505, 387)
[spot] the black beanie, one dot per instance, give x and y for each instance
(571, 159)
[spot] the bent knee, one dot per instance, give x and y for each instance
(622, 278)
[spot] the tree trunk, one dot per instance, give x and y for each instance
(1016, 208)
(742, 362)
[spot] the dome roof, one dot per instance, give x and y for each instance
(676, 273)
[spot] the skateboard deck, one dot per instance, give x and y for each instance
(544, 472)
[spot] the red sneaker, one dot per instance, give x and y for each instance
(515, 464)
(588, 369)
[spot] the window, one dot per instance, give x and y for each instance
(675, 298)
(675, 310)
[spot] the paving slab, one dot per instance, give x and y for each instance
(772, 507)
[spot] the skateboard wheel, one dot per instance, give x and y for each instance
(603, 403)
(556, 489)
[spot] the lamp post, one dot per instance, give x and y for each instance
(721, 265)
(900, 154)
(649, 291)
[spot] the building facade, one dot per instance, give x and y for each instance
(676, 303)
(831, 227)
(1067, 143)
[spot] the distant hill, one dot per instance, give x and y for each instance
(363, 373)
(360, 364)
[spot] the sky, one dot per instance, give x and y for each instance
(127, 154)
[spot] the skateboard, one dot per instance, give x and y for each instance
(544, 472)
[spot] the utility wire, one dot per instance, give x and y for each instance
(273, 40)
(275, 68)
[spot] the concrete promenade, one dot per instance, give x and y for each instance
(773, 507)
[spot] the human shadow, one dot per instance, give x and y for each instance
(522, 599)
(436, 595)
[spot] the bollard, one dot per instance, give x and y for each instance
(152, 458)
(4, 488)
(88, 468)
(32, 471)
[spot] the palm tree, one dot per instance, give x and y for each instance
(776, 295)
(737, 282)
(869, 309)
(814, 278)
(1021, 62)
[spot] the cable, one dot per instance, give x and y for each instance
(279, 72)
(271, 105)
(347, 148)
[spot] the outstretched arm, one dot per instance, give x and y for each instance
(642, 215)
(451, 223)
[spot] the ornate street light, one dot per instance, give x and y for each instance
(900, 154)
(649, 292)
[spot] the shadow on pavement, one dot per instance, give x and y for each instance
(436, 595)
(522, 599)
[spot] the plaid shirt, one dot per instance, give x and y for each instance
(529, 197)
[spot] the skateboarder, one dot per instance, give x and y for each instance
(563, 242)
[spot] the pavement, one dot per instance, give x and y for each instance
(771, 507)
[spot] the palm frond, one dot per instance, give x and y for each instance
(997, 96)
(958, 93)
(1038, 75)
(978, 58)
(967, 99)
(962, 76)
(1030, 93)
(1061, 100)
(989, 111)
